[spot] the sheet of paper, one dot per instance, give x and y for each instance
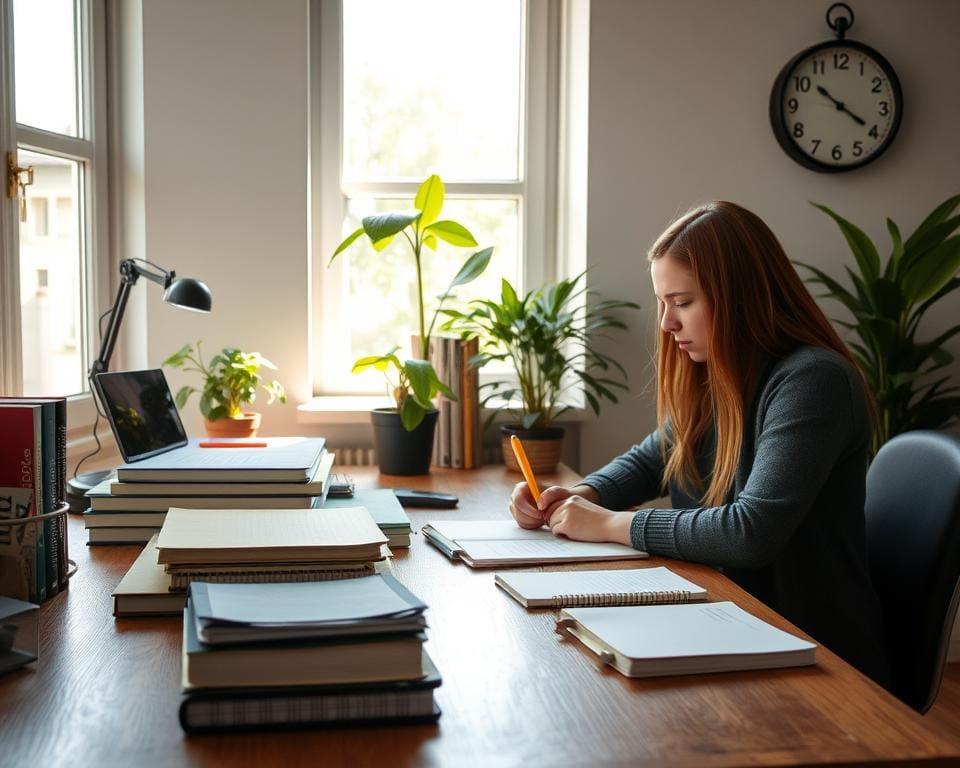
(548, 546)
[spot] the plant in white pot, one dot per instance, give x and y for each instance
(230, 381)
(403, 433)
(549, 339)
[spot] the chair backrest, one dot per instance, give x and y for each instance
(913, 546)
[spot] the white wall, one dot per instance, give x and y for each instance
(225, 181)
(678, 107)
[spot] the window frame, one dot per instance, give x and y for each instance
(91, 151)
(539, 190)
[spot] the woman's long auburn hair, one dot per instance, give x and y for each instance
(761, 311)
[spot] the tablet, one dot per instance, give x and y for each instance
(141, 411)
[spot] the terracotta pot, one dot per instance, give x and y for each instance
(245, 425)
(542, 446)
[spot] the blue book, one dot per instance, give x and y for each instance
(383, 507)
(342, 608)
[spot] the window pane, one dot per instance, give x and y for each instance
(50, 280)
(45, 63)
(432, 86)
(384, 284)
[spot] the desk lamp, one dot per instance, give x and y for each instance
(183, 292)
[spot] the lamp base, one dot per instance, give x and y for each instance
(78, 486)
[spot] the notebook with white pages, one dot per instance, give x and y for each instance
(696, 638)
(561, 589)
(489, 543)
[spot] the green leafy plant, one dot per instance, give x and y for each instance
(229, 380)
(414, 383)
(549, 339)
(887, 302)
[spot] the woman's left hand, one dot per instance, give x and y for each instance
(582, 520)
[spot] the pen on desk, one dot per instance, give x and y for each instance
(525, 466)
(218, 444)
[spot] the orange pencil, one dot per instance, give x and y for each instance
(217, 444)
(525, 466)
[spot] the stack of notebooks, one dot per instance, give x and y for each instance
(288, 473)
(308, 654)
(248, 545)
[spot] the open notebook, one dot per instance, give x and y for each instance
(488, 543)
(561, 589)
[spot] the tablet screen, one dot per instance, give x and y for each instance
(141, 411)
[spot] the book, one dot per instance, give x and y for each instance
(120, 535)
(243, 709)
(145, 588)
(657, 640)
(257, 574)
(148, 589)
(487, 543)
(318, 485)
(94, 519)
(470, 384)
(54, 461)
(375, 658)
(19, 633)
(21, 466)
(102, 501)
(239, 613)
(384, 508)
(208, 536)
(285, 459)
(561, 589)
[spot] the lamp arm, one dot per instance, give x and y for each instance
(129, 273)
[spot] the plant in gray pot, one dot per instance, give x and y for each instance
(403, 434)
(548, 337)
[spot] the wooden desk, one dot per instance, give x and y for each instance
(105, 692)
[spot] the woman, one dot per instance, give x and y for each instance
(763, 427)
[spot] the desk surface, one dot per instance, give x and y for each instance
(105, 692)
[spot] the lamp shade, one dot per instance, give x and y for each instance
(187, 293)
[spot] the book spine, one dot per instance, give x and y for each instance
(456, 407)
(444, 420)
(620, 598)
(471, 411)
(60, 421)
(51, 528)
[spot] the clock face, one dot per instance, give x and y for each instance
(836, 106)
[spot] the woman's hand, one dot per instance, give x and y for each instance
(529, 514)
(578, 518)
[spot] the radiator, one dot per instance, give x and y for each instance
(365, 456)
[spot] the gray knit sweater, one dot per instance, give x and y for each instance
(792, 529)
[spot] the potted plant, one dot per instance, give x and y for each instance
(549, 339)
(230, 380)
(887, 302)
(403, 434)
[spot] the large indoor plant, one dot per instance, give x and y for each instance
(887, 302)
(230, 381)
(549, 339)
(403, 434)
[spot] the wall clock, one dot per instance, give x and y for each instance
(837, 105)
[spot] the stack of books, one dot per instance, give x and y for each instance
(286, 473)
(33, 476)
(248, 545)
(308, 654)
(457, 440)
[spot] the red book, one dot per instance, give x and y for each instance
(21, 438)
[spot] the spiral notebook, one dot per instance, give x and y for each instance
(562, 589)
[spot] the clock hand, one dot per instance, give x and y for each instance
(840, 105)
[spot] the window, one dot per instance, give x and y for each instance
(51, 262)
(468, 89)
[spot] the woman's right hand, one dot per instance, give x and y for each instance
(526, 511)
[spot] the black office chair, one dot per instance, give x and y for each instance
(913, 547)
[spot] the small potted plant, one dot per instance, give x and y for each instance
(230, 380)
(549, 339)
(403, 434)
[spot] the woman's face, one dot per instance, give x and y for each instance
(684, 311)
